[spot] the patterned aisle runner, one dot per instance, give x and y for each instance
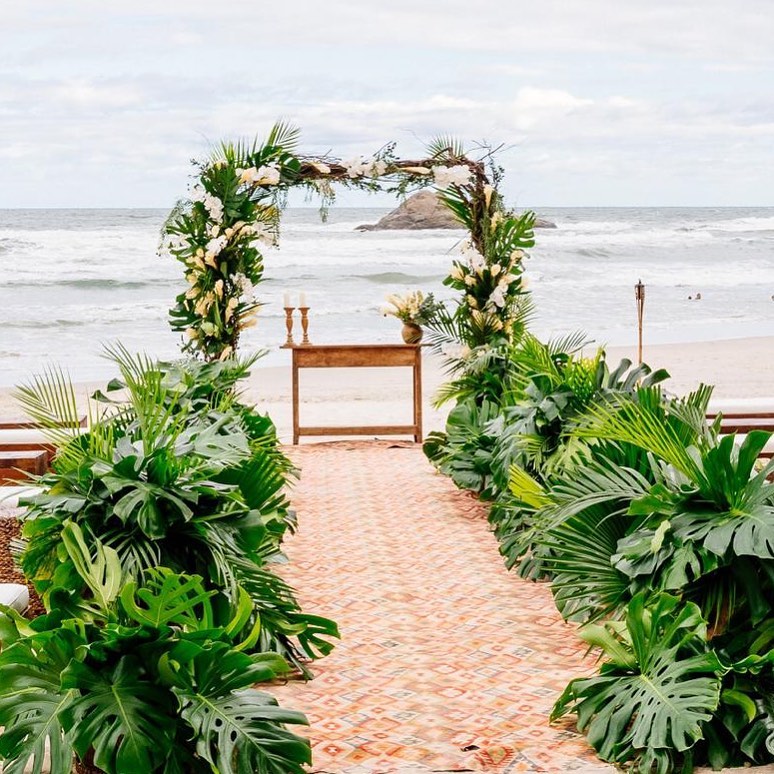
(447, 662)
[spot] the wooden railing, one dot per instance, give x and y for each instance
(24, 451)
(743, 421)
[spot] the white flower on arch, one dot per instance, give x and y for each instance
(216, 245)
(268, 174)
(475, 260)
(498, 295)
(363, 167)
(448, 176)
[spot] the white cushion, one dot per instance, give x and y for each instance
(22, 436)
(9, 495)
(742, 405)
(14, 595)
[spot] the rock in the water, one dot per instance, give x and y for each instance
(421, 210)
(424, 210)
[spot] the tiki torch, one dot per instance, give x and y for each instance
(639, 295)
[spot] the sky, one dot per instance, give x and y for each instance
(103, 103)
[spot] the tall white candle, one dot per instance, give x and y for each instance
(302, 299)
(286, 300)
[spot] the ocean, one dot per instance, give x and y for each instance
(73, 280)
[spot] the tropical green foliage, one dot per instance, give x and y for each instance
(174, 473)
(154, 678)
(477, 333)
(519, 412)
(653, 531)
(464, 451)
(657, 686)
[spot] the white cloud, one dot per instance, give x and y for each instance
(714, 29)
(84, 93)
(121, 95)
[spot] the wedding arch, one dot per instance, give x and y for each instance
(234, 206)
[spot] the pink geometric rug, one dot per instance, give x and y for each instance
(447, 661)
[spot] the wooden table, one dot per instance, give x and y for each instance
(359, 356)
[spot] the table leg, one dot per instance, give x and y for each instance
(418, 396)
(295, 400)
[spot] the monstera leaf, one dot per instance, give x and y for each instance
(102, 574)
(465, 453)
(122, 714)
(657, 688)
(169, 598)
(741, 515)
(32, 704)
(237, 728)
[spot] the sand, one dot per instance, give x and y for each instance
(739, 369)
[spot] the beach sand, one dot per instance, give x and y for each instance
(739, 368)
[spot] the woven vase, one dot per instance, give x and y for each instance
(412, 333)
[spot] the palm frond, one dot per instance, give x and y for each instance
(235, 152)
(643, 424)
(49, 400)
(524, 312)
(586, 584)
(442, 329)
(157, 411)
(445, 145)
(690, 413)
(241, 152)
(569, 344)
(449, 391)
(454, 200)
(284, 134)
(537, 358)
(599, 482)
(526, 489)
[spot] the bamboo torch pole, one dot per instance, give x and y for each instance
(639, 295)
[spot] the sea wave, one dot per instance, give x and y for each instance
(83, 315)
(398, 278)
(626, 238)
(355, 259)
(74, 279)
(330, 310)
(757, 224)
(95, 283)
(590, 227)
(593, 252)
(11, 244)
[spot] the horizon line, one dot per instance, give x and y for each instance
(385, 207)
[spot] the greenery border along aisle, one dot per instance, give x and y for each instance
(151, 544)
(653, 531)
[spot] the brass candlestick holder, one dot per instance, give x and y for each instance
(304, 324)
(289, 325)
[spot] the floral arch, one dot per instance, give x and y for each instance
(234, 209)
